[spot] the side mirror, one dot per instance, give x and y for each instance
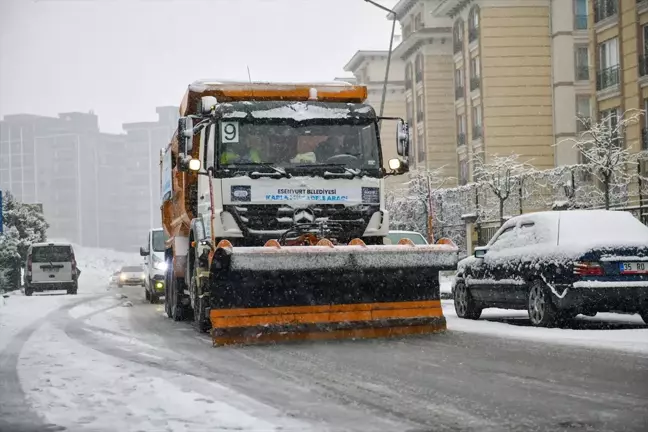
(143, 252)
(480, 252)
(185, 135)
(402, 138)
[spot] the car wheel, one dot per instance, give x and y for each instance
(464, 303)
(147, 295)
(542, 311)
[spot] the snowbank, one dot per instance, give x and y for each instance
(634, 340)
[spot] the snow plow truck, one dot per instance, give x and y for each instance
(273, 203)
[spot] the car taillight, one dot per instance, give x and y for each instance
(29, 264)
(586, 268)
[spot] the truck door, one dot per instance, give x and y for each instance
(207, 136)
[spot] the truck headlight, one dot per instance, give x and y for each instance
(160, 265)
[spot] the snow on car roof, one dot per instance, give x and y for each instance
(601, 227)
(50, 244)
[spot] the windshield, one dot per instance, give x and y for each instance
(159, 238)
(131, 269)
(415, 237)
(51, 254)
(283, 145)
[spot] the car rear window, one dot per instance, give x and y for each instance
(131, 269)
(42, 254)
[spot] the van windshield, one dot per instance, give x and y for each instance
(159, 237)
(131, 269)
(45, 254)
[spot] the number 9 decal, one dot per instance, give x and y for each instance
(229, 132)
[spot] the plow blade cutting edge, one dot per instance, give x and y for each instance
(272, 293)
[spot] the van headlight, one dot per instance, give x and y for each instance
(160, 265)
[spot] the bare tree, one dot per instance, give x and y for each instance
(606, 154)
(502, 176)
(413, 207)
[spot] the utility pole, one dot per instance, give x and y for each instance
(389, 54)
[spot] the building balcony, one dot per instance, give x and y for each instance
(580, 22)
(475, 83)
(461, 139)
(582, 73)
(477, 132)
(608, 77)
(605, 9)
(459, 93)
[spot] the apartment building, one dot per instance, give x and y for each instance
(619, 44)
(426, 52)
(494, 77)
(368, 68)
(141, 170)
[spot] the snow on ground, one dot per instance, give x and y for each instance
(82, 389)
(632, 340)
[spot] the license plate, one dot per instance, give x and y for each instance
(633, 267)
(52, 270)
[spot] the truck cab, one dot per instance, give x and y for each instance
(154, 264)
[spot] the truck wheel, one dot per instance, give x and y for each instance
(201, 322)
(464, 303)
(29, 291)
(177, 309)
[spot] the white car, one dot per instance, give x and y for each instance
(51, 267)
(394, 237)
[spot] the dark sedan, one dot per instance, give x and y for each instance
(558, 264)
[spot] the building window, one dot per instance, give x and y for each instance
(476, 122)
(420, 143)
(473, 24)
(643, 53)
(458, 36)
(580, 14)
(463, 171)
(644, 130)
(418, 65)
(407, 30)
(408, 76)
(608, 71)
(420, 111)
(605, 9)
(459, 83)
(610, 119)
(418, 23)
(409, 111)
(474, 73)
(583, 113)
(582, 63)
(461, 130)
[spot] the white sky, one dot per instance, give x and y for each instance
(122, 58)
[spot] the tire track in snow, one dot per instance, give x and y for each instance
(15, 413)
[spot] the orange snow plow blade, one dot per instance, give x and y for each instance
(277, 293)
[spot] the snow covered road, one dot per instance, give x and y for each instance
(96, 362)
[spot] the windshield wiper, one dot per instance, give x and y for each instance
(276, 171)
(348, 172)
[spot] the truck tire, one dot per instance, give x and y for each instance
(201, 323)
(29, 291)
(177, 309)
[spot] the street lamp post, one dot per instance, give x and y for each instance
(389, 53)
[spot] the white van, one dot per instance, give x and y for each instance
(154, 264)
(51, 267)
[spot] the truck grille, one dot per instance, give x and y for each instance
(255, 219)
